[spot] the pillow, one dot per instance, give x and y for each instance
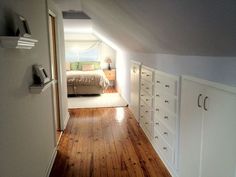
(88, 67)
(74, 66)
(67, 66)
(95, 63)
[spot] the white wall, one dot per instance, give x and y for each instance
(217, 69)
(26, 120)
(104, 50)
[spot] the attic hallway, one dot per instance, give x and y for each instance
(105, 142)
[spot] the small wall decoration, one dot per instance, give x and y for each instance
(22, 27)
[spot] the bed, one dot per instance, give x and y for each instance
(86, 82)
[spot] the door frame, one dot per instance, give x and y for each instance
(59, 71)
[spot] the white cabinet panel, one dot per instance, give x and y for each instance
(207, 129)
(190, 129)
(219, 140)
(135, 82)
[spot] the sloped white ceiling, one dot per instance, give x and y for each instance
(186, 27)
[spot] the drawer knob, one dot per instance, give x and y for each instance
(165, 117)
(142, 95)
(165, 133)
(147, 88)
(156, 137)
(142, 84)
(142, 105)
(147, 99)
(146, 123)
(143, 72)
(158, 82)
(157, 109)
(141, 116)
(165, 148)
(157, 95)
(167, 86)
(166, 101)
(157, 123)
(146, 111)
(147, 75)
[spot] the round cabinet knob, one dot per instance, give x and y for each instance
(166, 101)
(142, 105)
(146, 111)
(147, 99)
(165, 133)
(157, 95)
(147, 75)
(167, 86)
(157, 123)
(165, 117)
(156, 137)
(158, 82)
(147, 88)
(165, 148)
(146, 123)
(157, 110)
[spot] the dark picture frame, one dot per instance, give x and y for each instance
(22, 27)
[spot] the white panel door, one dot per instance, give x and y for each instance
(135, 87)
(219, 140)
(190, 129)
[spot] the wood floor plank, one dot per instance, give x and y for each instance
(106, 142)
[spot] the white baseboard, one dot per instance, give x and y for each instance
(66, 121)
(51, 162)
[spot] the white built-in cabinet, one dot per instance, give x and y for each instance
(207, 129)
(193, 129)
(159, 113)
(135, 88)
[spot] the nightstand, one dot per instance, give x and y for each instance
(111, 75)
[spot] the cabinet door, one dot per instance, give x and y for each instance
(219, 139)
(190, 129)
(135, 79)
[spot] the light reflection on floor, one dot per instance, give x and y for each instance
(120, 114)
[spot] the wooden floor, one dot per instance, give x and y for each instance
(105, 142)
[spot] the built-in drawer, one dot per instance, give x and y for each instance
(145, 112)
(147, 74)
(166, 84)
(164, 132)
(147, 87)
(147, 99)
(168, 119)
(167, 101)
(165, 149)
(148, 126)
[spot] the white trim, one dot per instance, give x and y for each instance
(210, 83)
(136, 62)
(176, 77)
(146, 67)
(51, 162)
(66, 121)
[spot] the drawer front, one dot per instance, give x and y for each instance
(145, 112)
(148, 126)
(164, 132)
(147, 74)
(165, 117)
(166, 101)
(165, 149)
(166, 84)
(110, 74)
(146, 98)
(147, 87)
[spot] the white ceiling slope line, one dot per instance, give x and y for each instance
(186, 27)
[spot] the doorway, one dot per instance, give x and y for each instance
(54, 73)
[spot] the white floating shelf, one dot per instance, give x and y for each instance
(17, 42)
(40, 88)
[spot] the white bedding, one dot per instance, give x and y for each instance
(87, 78)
